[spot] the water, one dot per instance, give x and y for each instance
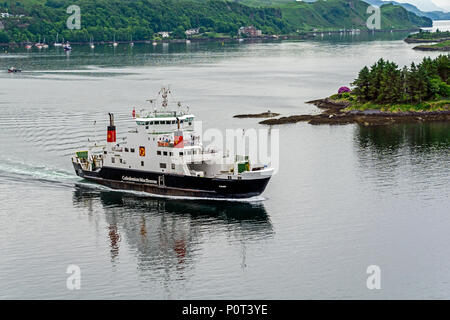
(344, 198)
(443, 25)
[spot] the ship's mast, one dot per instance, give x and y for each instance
(164, 93)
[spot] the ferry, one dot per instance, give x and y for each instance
(164, 156)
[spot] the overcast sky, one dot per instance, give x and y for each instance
(429, 5)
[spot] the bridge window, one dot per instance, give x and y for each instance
(126, 150)
(158, 153)
(173, 166)
(142, 163)
(113, 160)
(132, 150)
(165, 153)
(162, 165)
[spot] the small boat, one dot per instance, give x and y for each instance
(67, 47)
(91, 43)
(57, 44)
(13, 70)
(188, 41)
(154, 43)
(131, 43)
(115, 44)
(38, 44)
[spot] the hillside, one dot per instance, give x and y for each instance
(141, 19)
(334, 14)
(434, 15)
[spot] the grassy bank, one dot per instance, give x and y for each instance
(436, 105)
(440, 46)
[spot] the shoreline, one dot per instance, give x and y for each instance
(333, 114)
(303, 36)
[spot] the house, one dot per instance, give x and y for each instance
(191, 32)
(250, 31)
(164, 34)
(7, 15)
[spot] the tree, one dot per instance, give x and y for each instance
(179, 33)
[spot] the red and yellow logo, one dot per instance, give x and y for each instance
(142, 151)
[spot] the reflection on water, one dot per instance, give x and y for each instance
(165, 234)
(92, 63)
(403, 158)
(427, 137)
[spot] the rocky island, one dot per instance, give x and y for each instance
(435, 41)
(385, 94)
(267, 114)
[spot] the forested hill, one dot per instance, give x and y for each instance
(141, 19)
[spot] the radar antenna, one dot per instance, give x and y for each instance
(164, 93)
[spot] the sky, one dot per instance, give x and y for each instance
(430, 5)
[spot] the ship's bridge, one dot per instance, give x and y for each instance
(166, 121)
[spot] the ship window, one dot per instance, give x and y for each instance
(126, 149)
(173, 166)
(142, 163)
(120, 160)
(105, 152)
(158, 153)
(151, 122)
(162, 165)
(113, 160)
(156, 122)
(132, 150)
(170, 153)
(181, 121)
(146, 127)
(190, 123)
(147, 123)
(165, 153)
(181, 153)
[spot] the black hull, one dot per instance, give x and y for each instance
(165, 184)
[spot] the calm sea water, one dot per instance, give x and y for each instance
(344, 198)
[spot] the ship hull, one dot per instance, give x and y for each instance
(166, 184)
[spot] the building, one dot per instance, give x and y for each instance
(164, 34)
(8, 15)
(250, 31)
(191, 32)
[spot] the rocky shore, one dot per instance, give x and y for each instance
(267, 114)
(432, 48)
(410, 40)
(334, 114)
